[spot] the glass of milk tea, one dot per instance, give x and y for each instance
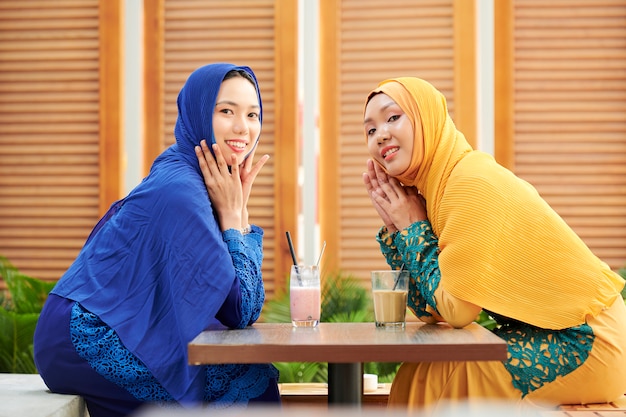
(305, 295)
(389, 291)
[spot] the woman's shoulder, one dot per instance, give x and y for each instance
(173, 184)
(177, 175)
(478, 166)
(479, 172)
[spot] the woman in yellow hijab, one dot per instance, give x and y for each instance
(476, 237)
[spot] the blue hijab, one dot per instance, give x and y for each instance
(196, 104)
(156, 268)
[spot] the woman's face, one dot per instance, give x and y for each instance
(389, 133)
(236, 123)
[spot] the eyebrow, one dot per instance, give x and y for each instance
(385, 107)
(232, 103)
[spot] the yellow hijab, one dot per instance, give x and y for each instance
(502, 247)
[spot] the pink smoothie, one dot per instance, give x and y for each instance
(305, 303)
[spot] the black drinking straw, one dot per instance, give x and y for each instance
(395, 284)
(293, 253)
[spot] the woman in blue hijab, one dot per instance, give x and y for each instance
(173, 258)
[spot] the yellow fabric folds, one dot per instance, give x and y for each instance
(501, 245)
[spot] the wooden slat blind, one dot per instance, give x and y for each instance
(49, 142)
(243, 32)
(570, 114)
(374, 41)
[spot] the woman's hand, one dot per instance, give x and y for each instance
(224, 185)
(402, 206)
(372, 181)
(247, 174)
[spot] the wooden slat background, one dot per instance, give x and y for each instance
(568, 96)
(49, 119)
(570, 114)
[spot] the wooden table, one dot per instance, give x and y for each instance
(345, 346)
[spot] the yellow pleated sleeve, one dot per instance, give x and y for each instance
(505, 249)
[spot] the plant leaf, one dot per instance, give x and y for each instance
(27, 294)
(19, 312)
(299, 371)
(16, 342)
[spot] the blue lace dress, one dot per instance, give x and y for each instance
(101, 348)
(155, 272)
(225, 385)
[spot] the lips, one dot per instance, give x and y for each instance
(237, 145)
(389, 151)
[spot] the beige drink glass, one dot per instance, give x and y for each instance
(390, 292)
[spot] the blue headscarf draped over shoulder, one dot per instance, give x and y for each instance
(156, 268)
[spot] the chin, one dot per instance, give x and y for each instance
(393, 172)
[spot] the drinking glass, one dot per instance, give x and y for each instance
(305, 295)
(390, 293)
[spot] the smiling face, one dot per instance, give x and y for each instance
(236, 122)
(390, 134)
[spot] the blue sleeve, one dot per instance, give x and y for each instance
(244, 302)
(416, 249)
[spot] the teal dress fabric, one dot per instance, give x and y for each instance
(536, 356)
(157, 270)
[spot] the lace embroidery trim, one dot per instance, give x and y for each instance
(100, 346)
(247, 262)
(236, 384)
(417, 248)
(538, 356)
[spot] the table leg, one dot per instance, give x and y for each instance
(345, 384)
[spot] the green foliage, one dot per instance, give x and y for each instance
(276, 310)
(486, 320)
(344, 300)
(19, 312)
(302, 371)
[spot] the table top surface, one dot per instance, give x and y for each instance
(346, 343)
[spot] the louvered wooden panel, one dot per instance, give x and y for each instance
(48, 132)
(379, 40)
(241, 32)
(570, 114)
